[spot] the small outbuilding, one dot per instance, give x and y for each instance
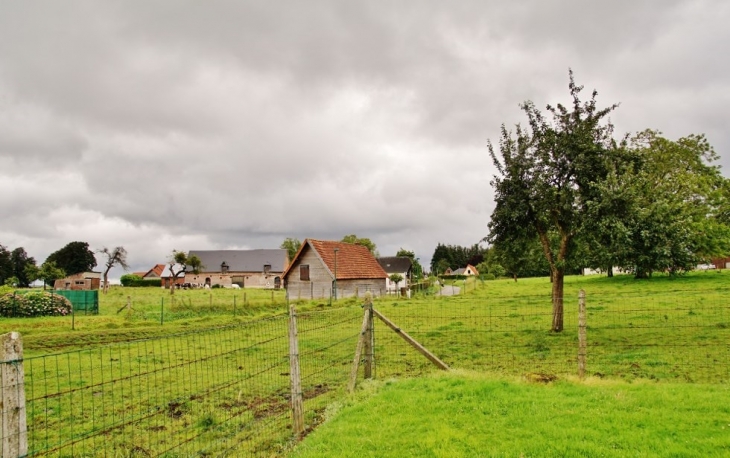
(323, 269)
(83, 281)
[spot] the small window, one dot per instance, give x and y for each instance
(79, 282)
(304, 272)
(267, 268)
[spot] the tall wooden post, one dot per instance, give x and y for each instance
(369, 337)
(582, 334)
(13, 423)
(297, 403)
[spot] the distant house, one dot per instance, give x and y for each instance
(721, 263)
(469, 270)
(401, 265)
(84, 281)
(261, 268)
(324, 268)
(152, 274)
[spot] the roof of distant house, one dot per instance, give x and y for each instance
(242, 260)
(395, 264)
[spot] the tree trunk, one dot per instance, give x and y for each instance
(610, 272)
(557, 277)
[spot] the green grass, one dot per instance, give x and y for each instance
(203, 375)
(468, 415)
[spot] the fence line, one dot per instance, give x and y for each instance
(230, 390)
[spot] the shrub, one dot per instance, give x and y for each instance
(488, 277)
(136, 280)
(128, 279)
(34, 304)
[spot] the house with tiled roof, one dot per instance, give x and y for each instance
(322, 269)
(261, 268)
(468, 270)
(152, 274)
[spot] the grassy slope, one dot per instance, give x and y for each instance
(465, 415)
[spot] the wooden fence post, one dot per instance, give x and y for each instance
(297, 404)
(582, 334)
(370, 337)
(13, 427)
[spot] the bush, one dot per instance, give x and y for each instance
(136, 280)
(34, 304)
(488, 277)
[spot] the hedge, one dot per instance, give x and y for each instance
(36, 303)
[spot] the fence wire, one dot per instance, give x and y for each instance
(677, 335)
(215, 392)
(226, 391)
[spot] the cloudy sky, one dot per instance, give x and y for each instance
(235, 124)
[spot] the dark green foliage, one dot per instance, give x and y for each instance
(456, 256)
(291, 246)
(545, 176)
(74, 258)
(36, 303)
(49, 273)
(137, 281)
(21, 262)
(6, 265)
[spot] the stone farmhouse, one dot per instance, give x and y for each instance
(262, 268)
(323, 269)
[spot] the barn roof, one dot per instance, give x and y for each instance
(242, 260)
(353, 261)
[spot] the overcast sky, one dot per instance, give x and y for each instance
(235, 124)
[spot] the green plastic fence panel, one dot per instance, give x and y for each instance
(83, 301)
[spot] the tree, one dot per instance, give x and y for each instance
(49, 273)
(180, 263)
(74, 258)
(20, 260)
(545, 177)
(664, 214)
(416, 268)
(114, 257)
(395, 279)
(6, 265)
(457, 256)
(367, 243)
(291, 246)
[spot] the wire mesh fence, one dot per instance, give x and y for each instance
(227, 391)
(675, 335)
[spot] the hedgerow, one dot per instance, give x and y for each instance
(34, 304)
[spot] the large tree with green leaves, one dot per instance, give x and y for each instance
(666, 213)
(546, 173)
(21, 270)
(49, 273)
(74, 258)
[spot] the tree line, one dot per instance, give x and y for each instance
(17, 269)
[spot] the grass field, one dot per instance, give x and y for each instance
(212, 370)
(477, 415)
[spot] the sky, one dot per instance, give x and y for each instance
(181, 125)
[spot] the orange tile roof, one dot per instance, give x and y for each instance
(353, 261)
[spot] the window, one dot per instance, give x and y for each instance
(304, 272)
(267, 268)
(224, 268)
(79, 282)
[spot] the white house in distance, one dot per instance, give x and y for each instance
(401, 265)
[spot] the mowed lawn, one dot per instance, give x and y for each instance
(477, 415)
